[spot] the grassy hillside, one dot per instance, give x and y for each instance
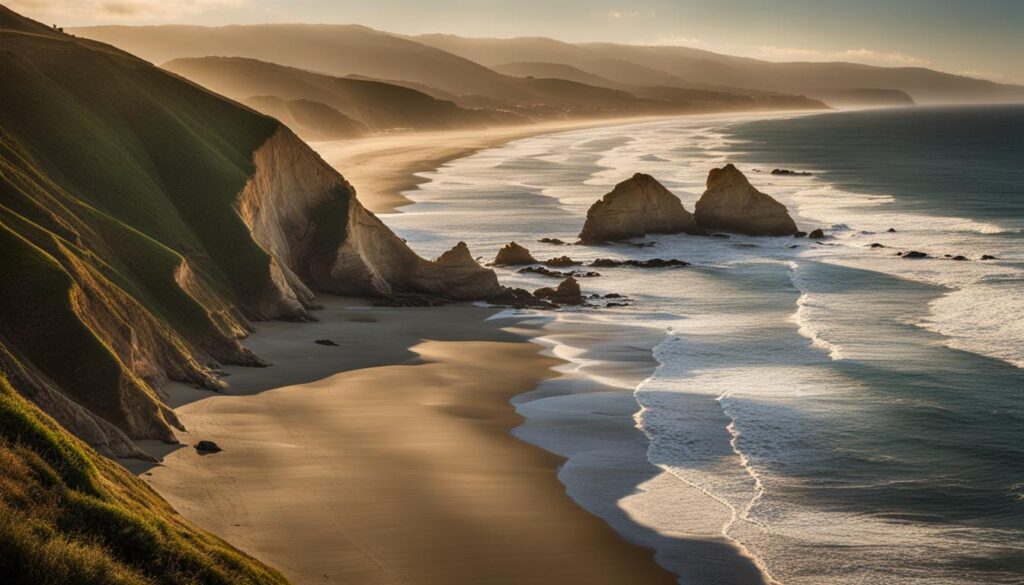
(314, 103)
(70, 515)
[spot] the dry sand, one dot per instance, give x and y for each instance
(382, 167)
(389, 459)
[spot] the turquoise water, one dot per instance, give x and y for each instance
(856, 417)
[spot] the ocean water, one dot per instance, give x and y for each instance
(845, 415)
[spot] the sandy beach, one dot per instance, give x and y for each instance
(389, 458)
(382, 167)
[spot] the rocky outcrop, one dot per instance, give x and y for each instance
(308, 217)
(567, 293)
(513, 255)
(732, 204)
(636, 207)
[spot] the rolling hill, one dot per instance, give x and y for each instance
(361, 53)
(697, 68)
(323, 107)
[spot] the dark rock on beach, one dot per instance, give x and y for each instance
(816, 234)
(325, 342)
(915, 254)
(208, 447)
(553, 241)
(787, 172)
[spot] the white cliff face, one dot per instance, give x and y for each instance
(635, 207)
(307, 216)
(732, 204)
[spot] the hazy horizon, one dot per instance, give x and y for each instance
(985, 40)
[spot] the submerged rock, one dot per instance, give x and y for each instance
(799, 234)
(636, 207)
(325, 342)
(652, 263)
(561, 262)
(816, 234)
(513, 255)
(787, 172)
(543, 271)
(732, 204)
(876, 245)
(553, 241)
(988, 257)
(915, 254)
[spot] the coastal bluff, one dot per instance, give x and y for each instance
(637, 206)
(732, 204)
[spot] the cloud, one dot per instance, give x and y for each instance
(672, 41)
(627, 14)
(867, 56)
(120, 10)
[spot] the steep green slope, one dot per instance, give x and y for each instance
(69, 515)
(126, 261)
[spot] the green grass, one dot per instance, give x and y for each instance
(68, 515)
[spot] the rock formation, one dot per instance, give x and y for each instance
(514, 255)
(732, 204)
(567, 293)
(636, 207)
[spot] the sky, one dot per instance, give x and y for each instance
(980, 38)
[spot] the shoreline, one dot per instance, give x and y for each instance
(390, 458)
(381, 168)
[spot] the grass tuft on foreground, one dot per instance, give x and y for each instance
(70, 515)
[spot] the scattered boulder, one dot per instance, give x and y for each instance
(616, 304)
(816, 234)
(513, 255)
(561, 262)
(652, 263)
(325, 342)
(208, 447)
(553, 241)
(614, 296)
(959, 258)
(876, 245)
(787, 172)
(988, 257)
(519, 298)
(891, 230)
(723, 236)
(915, 254)
(567, 293)
(636, 207)
(731, 203)
(799, 234)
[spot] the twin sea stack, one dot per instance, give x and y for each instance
(641, 205)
